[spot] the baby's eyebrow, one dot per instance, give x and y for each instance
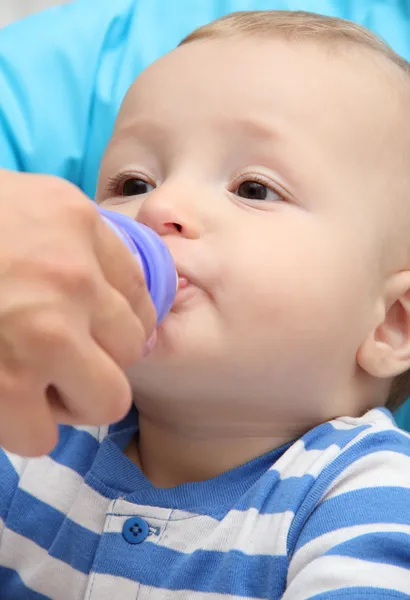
(143, 128)
(256, 128)
(252, 127)
(271, 138)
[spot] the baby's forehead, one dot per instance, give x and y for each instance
(281, 81)
(219, 69)
(350, 103)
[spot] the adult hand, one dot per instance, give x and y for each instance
(74, 313)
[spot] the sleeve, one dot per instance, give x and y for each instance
(64, 73)
(355, 544)
(61, 83)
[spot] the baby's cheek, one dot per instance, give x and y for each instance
(306, 307)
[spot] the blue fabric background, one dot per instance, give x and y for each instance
(64, 72)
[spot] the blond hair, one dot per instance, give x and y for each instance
(301, 25)
(295, 25)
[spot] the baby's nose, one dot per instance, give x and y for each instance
(168, 213)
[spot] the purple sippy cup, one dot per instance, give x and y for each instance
(156, 261)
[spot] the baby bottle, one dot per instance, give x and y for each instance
(153, 255)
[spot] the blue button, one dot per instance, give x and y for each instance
(135, 530)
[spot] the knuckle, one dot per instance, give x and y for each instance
(72, 202)
(84, 210)
(119, 306)
(72, 277)
(78, 279)
(53, 185)
(48, 329)
(120, 403)
(11, 385)
(114, 309)
(114, 402)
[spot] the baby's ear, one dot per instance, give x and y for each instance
(385, 352)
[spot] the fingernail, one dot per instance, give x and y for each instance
(150, 343)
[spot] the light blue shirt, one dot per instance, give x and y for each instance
(64, 72)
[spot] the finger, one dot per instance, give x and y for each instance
(92, 389)
(123, 272)
(27, 426)
(116, 328)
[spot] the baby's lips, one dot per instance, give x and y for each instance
(150, 343)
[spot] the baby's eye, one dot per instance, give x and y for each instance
(134, 186)
(255, 190)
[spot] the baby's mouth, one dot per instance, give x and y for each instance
(183, 282)
(185, 291)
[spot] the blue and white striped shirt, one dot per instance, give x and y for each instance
(327, 516)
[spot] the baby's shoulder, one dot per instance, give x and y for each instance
(371, 446)
(377, 425)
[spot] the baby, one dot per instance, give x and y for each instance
(271, 152)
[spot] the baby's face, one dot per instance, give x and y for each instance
(261, 164)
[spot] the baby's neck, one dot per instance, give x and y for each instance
(170, 456)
